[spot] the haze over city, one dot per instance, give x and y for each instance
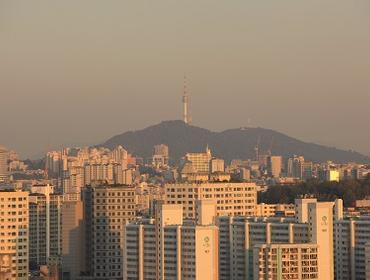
(79, 72)
(184, 140)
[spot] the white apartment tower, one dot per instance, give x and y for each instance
(352, 254)
(167, 248)
(243, 241)
(239, 235)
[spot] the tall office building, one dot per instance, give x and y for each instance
(274, 166)
(4, 174)
(167, 248)
(45, 227)
(14, 235)
(232, 199)
(73, 236)
(107, 208)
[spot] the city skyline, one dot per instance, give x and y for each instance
(80, 81)
(184, 140)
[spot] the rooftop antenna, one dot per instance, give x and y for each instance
(185, 101)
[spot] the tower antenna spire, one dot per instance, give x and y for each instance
(185, 101)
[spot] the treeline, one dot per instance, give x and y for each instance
(349, 191)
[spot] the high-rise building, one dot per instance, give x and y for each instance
(112, 173)
(168, 248)
(239, 235)
(14, 235)
(107, 208)
(74, 180)
(45, 227)
(274, 166)
(4, 174)
(232, 199)
(73, 236)
(286, 261)
(352, 239)
(320, 221)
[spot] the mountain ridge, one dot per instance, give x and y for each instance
(229, 144)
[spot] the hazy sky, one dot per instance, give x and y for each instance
(76, 72)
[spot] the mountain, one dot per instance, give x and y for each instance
(229, 144)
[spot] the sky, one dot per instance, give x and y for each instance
(78, 72)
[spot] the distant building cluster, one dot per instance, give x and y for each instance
(105, 214)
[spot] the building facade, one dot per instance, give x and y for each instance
(73, 235)
(167, 248)
(45, 227)
(286, 261)
(352, 237)
(232, 199)
(14, 235)
(107, 208)
(274, 166)
(4, 173)
(200, 161)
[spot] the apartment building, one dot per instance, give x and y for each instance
(45, 227)
(13, 235)
(168, 248)
(313, 224)
(239, 235)
(107, 209)
(352, 237)
(286, 261)
(232, 199)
